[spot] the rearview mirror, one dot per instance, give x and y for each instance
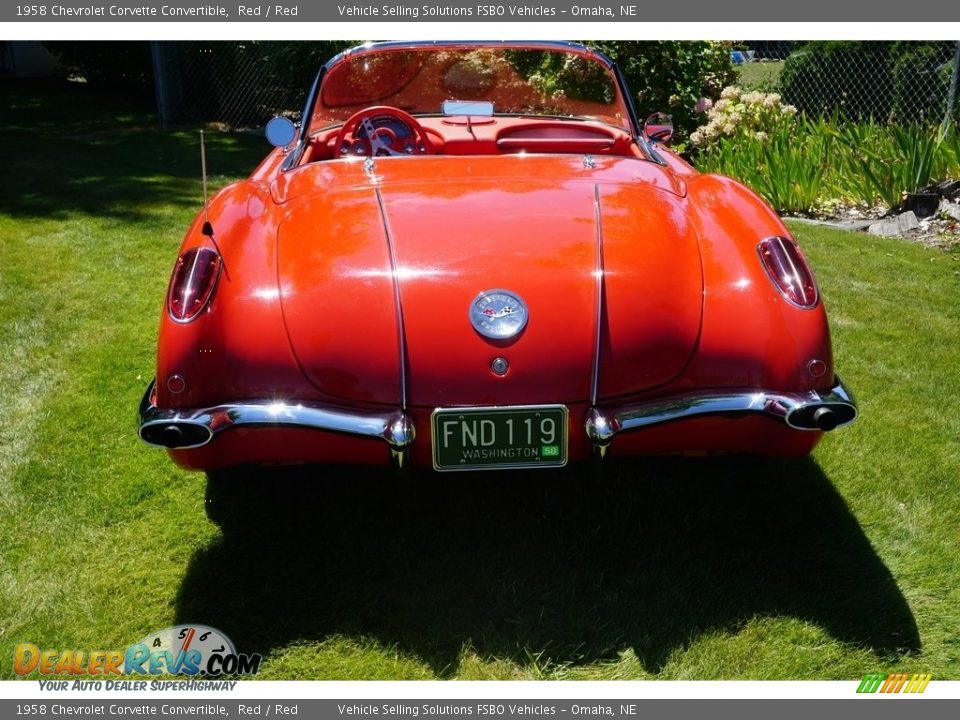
(658, 128)
(470, 108)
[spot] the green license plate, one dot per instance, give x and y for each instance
(503, 437)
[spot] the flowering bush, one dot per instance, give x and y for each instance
(742, 114)
(670, 75)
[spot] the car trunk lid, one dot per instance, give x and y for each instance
(425, 250)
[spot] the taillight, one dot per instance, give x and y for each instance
(788, 271)
(194, 277)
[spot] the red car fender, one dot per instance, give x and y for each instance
(751, 335)
(237, 346)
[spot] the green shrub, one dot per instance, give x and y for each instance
(896, 81)
(853, 77)
(786, 167)
(126, 67)
(811, 163)
(890, 161)
(671, 76)
(921, 80)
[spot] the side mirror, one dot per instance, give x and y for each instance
(280, 132)
(658, 128)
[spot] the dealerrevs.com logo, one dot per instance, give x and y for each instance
(179, 650)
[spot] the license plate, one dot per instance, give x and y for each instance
(503, 437)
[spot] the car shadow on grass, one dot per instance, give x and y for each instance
(561, 566)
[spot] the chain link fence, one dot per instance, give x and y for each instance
(899, 82)
(243, 84)
(237, 84)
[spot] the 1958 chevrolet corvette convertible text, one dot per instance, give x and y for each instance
(473, 256)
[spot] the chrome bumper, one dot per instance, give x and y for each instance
(802, 411)
(185, 429)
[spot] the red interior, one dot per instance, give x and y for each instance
(502, 135)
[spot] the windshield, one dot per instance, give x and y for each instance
(518, 81)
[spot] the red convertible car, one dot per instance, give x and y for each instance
(473, 256)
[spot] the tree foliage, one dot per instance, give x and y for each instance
(671, 76)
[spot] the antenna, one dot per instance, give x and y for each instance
(207, 227)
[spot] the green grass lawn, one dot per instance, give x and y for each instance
(758, 75)
(826, 568)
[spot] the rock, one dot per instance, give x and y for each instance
(949, 209)
(853, 225)
(894, 226)
(949, 189)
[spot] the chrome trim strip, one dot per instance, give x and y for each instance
(546, 45)
(395, 428)
(632, 110)
(560, 45)
(293, 157)
(603, 425)
(599, 271)
(398, 305)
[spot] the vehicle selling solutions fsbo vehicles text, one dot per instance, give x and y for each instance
(481, 10)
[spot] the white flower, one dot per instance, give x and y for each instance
(730, 92)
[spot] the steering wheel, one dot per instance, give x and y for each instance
(379, 139)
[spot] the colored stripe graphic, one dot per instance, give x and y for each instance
(919, 683)
(894, 683)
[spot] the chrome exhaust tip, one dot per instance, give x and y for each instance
(171, 436)
(825, 418)
(823, 411)
(176, 435)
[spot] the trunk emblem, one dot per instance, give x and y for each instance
(498, 314)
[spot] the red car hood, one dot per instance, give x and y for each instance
(454, 237)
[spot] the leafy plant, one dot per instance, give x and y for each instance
(672, 76)
(891, 160)
(125, 67)
(787, 167)
(809, 162)
(902, 81)
(854, 77)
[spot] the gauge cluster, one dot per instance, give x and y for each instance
(382, 135)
